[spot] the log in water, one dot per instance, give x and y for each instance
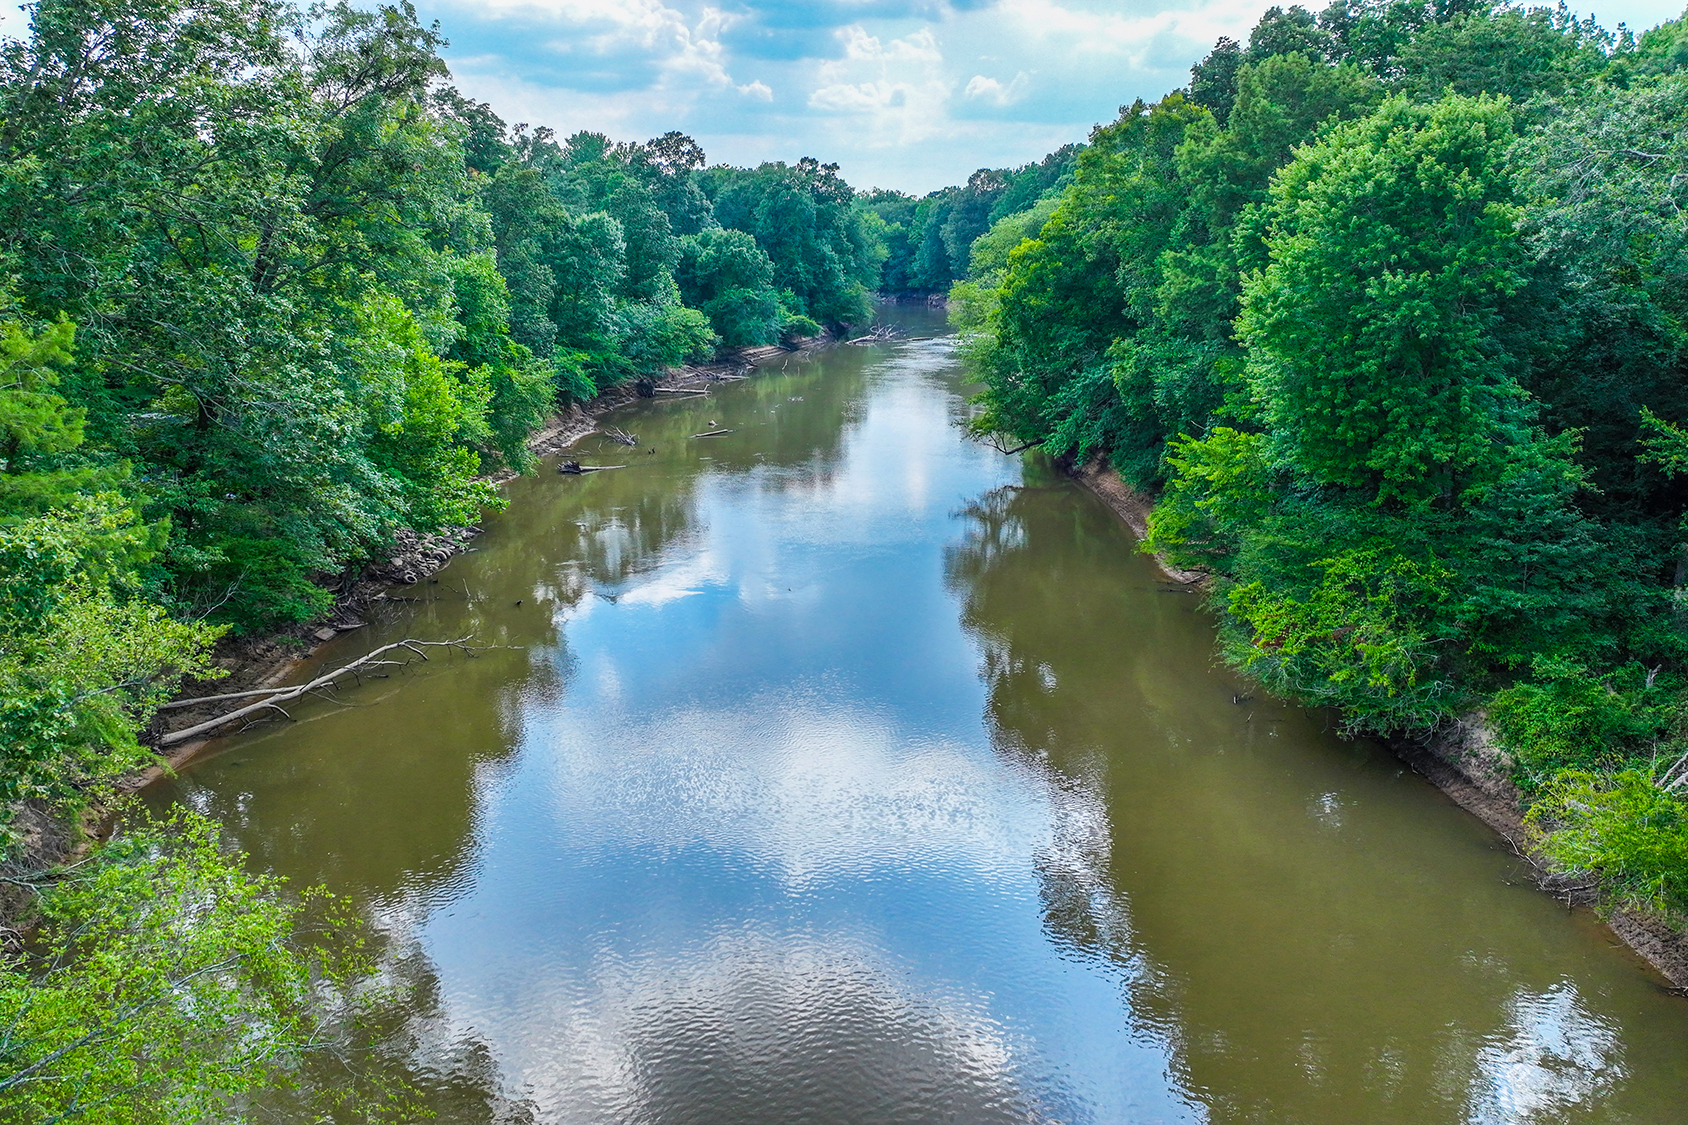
(838, 769)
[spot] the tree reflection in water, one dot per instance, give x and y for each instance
(1316, 935)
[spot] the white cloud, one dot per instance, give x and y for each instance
(989, 89)
(898, 85)
(915, 101)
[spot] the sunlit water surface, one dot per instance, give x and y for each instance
(840, 769)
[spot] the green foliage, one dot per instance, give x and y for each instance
(426, 415)
(1373, 350)
(522, 387)
(1659, 51)
(1407, 374)
(824, 253)
(1351, 630)
(1219, 485)
(35, 420)
(972, 303)
(1622, 826)
(1567, 715)
(726, 275)
(1602, 175)
(84, 659)
(1509, 52)
(1213, 81)
(1663, 444)
(168, 986)
(1067, 294)
(664, 333)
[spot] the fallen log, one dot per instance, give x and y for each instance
(713, 433)
(281, 695)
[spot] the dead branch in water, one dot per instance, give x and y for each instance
(279, 695)
(713, 433)
(620, 436)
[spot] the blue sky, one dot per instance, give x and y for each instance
(910, 94)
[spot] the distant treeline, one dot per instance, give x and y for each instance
(929, 240)
(1389, 308)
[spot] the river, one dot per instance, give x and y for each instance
(839, 769)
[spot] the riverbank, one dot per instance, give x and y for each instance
(1465, 763)
(257, 662)
(45, 840)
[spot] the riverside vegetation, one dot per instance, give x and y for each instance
(1386, 308)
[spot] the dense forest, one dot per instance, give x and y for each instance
(1387, 311)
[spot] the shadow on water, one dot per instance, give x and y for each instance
(837, 769)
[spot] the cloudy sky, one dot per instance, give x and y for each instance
(911, 94)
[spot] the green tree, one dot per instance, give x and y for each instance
(804, 218)
(522, 387)
(1374, 350)
(1508, 52)
(84, 658)
(727, 276)
(167, 986)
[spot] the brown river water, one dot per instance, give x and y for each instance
(839, 769)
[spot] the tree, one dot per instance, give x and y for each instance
(804, 218)
(167, 986)
(84, 658)
(243, 202)
(1374, 353)
(726, 275)
(1296, 31)
(1213, 81)
(1504, 52)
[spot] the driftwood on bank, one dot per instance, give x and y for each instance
(278, 695)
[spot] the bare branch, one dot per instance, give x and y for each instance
(282, 695)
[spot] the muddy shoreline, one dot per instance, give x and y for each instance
(1464, 763)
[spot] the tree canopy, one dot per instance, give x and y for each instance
(1386, 310)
